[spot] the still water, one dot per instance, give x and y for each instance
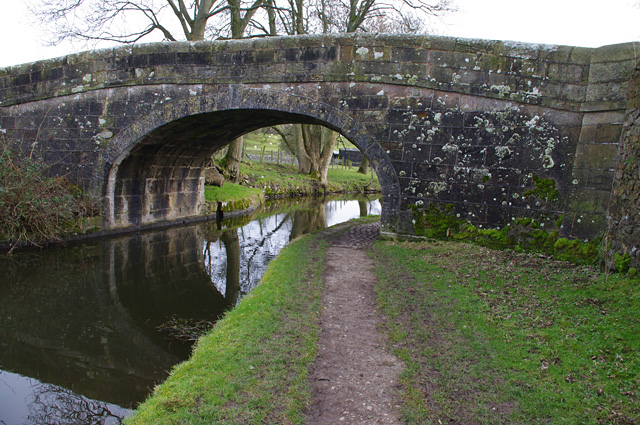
(86, 330)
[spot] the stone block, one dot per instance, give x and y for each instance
(569, 73)
(607, 92)
(442, 58)
(608, 117)
(598, 156)
(588, 134)
(580, 55)
(440, 43)
(604, 72)
(601, 180)
(608, 133)
(615, 52)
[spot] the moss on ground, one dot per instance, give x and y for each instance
(525, 234)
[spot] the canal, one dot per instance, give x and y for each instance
(87, 331)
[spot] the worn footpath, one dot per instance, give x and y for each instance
(354, 377)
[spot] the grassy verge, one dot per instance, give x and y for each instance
(497, 337)
(284, 180)
(252, 367)
(260, 180)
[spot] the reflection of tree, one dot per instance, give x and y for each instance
(363, 207)
(307, 221)
(232, 248)
(53, 405)
(258, 251)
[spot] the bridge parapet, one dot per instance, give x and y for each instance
(562, 77)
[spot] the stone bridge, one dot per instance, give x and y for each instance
(494, 130)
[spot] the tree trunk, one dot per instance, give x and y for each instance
(329, 142)
(232, 160)
(271, 14)
(304, 160)
(315, 146)
(363, 208)
(364, 165)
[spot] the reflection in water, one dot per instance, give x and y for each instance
(89, 322)
(49, 404)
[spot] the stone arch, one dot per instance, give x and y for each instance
(154, 167)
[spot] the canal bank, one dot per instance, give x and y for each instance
(253, 367)
(259, 182)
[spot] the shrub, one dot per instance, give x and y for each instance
(34, 207)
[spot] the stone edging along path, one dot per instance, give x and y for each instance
(354, 376)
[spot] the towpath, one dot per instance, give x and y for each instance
(355, 376)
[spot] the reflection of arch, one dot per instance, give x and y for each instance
(156, 164)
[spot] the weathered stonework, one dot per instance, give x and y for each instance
(623, 234)
(470, 123)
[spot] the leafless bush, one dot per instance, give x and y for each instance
(34, 207)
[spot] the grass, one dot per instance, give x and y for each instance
(497, 337)
(284, 180)
(252, 367)
(256, 141)
(231, 192)
(232, 197)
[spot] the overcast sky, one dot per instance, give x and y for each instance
(588, 23)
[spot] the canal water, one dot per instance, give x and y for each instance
(87, 331)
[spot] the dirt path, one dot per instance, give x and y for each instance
(354, 376)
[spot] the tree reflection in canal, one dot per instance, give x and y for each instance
(88, 322)
(53, 405)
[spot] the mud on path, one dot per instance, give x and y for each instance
(355, 376)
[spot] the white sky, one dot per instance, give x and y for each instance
(589, 23)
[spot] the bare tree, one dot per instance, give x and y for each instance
(382, 16)
(53, 405)
(126, 21)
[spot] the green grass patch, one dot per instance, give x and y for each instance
(256, 142)
(499, 337)
(284, 180)
(252, 367)
(232, 197)
(349, 180)
(230, 192)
